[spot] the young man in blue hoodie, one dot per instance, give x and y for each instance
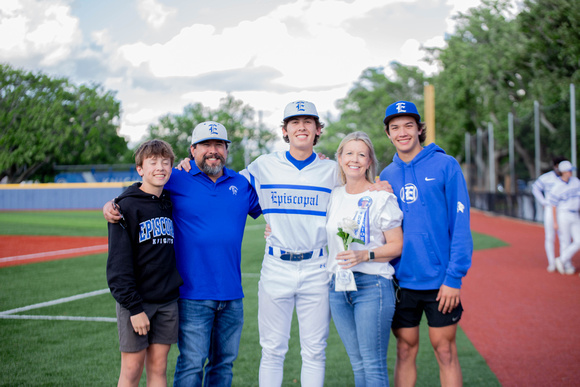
(437, 244)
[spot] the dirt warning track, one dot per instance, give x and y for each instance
(522, 319)
(19, 250)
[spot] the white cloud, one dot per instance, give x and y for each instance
(49, 31)
(143, 116)
(332, 13)
(195, 50)
(459, 6)
(133, 133)
(302, 49)
(57, 35)
(300, 40)
(327, 58)
(12, 35)
(154, 13)
(9, 7)
(410, 52)
(211, 99)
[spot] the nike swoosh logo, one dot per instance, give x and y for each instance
(455, 318)
(429, 179)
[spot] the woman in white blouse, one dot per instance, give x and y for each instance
(362, 293)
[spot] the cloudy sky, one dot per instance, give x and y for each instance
(161, 55)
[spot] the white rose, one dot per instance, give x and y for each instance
(348, 225)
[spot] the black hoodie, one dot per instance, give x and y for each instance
(141, 266)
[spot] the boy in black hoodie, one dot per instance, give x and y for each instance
(141, 269)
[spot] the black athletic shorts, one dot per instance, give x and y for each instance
(411, 304)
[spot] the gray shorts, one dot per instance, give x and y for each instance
(164, 322)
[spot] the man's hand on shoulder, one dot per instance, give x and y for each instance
(184, 165)
(111, 212)
(381, 185)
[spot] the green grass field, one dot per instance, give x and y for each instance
(46, 349)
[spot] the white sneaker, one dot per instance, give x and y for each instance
(559, 265)
(551, 268)
(570, 270)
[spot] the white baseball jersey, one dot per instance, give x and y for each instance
(543, 185)
(566, 196)
(294, 201)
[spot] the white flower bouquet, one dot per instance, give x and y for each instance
(344, 277)
(346, 229)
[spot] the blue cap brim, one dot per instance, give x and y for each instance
(415, 116)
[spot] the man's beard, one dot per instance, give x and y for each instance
(212, 170)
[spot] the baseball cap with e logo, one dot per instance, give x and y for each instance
(300, 108)
(209, 130)
(401, 108)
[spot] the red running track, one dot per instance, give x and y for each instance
(524, 321)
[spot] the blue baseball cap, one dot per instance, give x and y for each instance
(401, 108)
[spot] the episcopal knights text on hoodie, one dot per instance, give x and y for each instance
(437, 242)
(141, 266)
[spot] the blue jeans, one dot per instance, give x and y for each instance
(363, 321)
(208, 330)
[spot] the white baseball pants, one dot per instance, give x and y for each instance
(285, 285)
(569, 231)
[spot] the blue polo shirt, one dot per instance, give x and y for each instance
(209, 220)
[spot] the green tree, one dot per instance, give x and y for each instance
(248, 138)
(480, 81)
(495, 63)
(94, 115)
(363, 109)
(46, 121)
(498, 63)
(551, 31)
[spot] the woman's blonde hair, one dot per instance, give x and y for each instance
(359, 136)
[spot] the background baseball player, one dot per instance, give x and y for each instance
(540, 189)
(565, 200)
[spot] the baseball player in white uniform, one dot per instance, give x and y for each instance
(294, 189)
(565, 200)
(540, 189)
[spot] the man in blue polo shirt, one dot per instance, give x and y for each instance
(210, 207)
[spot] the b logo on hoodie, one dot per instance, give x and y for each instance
(409, 193)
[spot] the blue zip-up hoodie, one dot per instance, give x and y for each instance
(437, 242)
